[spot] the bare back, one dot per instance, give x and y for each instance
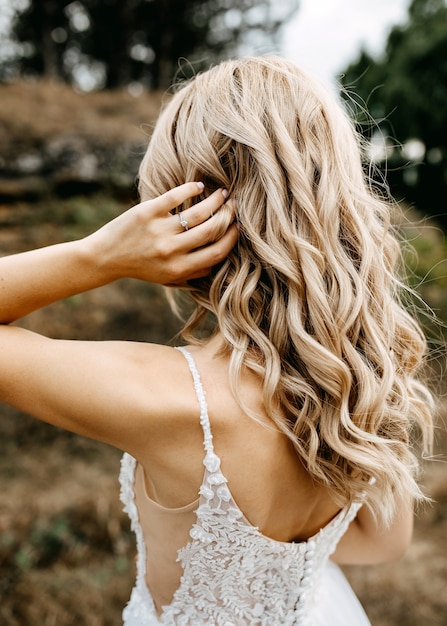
(265, 474)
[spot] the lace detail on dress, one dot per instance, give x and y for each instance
(235, 576)
(232, 574)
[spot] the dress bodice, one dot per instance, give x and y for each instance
(233, 575)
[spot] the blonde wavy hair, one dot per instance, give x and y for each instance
(309, 299)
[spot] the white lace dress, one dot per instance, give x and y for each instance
(235, 576)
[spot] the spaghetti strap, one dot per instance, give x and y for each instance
(200, 393)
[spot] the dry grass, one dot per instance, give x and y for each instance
(56, 141)
(34, 112)
(67, 554)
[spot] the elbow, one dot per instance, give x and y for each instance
(393, 553)
(365, 544)
(394, 550)
(389, 546)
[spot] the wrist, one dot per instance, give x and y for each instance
(95, 261)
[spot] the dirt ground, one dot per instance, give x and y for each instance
(66, 551)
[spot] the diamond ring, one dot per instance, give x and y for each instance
(182, 220)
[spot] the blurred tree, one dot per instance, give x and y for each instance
(405, 91)
(109, 43)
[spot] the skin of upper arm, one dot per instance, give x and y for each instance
(367, 543)
(103, 390)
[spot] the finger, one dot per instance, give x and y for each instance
(175, 197)
(200, 212)
(183, 280)
(208, 231)
(200, 261)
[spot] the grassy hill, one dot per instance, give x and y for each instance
(66, 552)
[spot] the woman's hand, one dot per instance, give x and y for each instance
(151, 243)
(146, 242)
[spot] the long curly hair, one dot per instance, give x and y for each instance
(310, 298)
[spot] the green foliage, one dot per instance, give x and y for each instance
(46, 544)
(116, 42)
(425, 255)
(76, 215)
(406, 93)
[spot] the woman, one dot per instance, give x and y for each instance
(282, 437)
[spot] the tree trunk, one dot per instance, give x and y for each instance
(45, 14)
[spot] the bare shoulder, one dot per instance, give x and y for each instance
(158, 400)
(161, 372)
(127, 394)
(153, 396)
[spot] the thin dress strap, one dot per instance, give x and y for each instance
(200, 393)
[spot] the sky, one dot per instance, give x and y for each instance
(326, 35)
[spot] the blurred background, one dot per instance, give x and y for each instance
(81, 84)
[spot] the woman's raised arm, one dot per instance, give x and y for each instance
(145, 242)
(104, 390)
